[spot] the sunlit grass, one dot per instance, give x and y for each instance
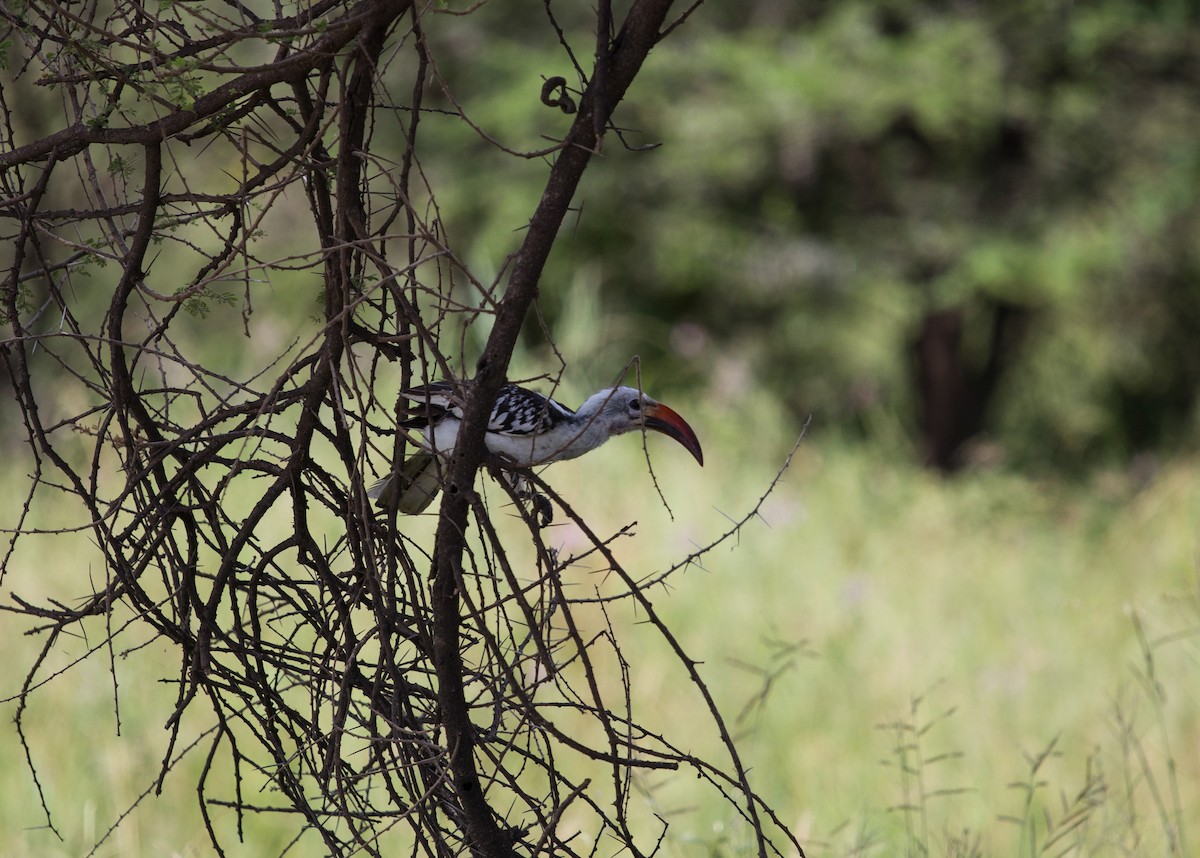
(918, 644)
(995, 612)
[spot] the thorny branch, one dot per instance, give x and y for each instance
(333, 665)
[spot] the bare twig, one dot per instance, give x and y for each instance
(219, 255)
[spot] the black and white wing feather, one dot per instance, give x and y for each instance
(517, 411)
(430, 404)
(522, 412)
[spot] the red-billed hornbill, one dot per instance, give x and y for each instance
(525, 429)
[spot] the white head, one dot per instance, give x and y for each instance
(616, 410)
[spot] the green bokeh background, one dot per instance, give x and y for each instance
(826, 175)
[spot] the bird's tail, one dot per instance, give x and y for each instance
(418, 482)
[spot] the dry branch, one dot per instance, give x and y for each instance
(344, 673)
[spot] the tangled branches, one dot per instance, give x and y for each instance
(347, 672)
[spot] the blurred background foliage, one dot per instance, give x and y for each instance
(954, 232)
(968, 233)
(966, 229)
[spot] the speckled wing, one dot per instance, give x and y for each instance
(522, 412)
(517, 412)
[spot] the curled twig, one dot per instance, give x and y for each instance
(554, 94)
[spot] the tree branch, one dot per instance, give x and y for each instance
(638, 35)
(75, 138)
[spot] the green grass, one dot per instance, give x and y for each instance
(913, 666)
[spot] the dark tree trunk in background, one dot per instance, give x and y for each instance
(955, 391)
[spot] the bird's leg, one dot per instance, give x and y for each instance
(544, 508)
(521, 488)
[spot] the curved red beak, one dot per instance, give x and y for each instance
(662, 419)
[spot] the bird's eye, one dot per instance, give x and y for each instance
(635, 405)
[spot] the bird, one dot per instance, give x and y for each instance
(525, 429)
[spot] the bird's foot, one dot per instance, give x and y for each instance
(543, 507)
(543, 510)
